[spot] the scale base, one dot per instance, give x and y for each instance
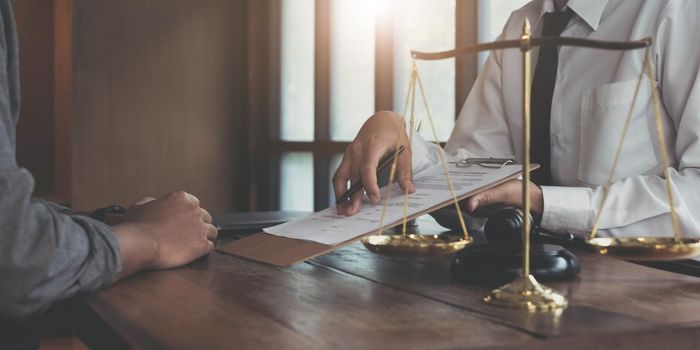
(526, 293)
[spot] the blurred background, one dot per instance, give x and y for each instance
(248, 104)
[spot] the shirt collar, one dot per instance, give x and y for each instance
(591, 11)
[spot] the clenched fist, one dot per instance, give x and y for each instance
(165, 232)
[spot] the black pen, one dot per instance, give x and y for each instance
(357, 186)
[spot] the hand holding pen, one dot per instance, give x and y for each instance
(377, 138)
(358, 186)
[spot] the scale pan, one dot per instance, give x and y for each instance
(415, 244)
(647, 248)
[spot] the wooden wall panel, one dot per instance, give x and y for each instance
(63, 99)
(158, 91)
(35, 136)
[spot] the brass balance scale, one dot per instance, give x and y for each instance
(525, 292)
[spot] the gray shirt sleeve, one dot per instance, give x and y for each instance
(45, 255)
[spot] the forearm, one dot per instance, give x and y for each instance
(637, 205)
(46, 256)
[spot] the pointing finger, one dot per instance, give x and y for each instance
(356, 199)
(405, 172)
(368, 172)
(340, 179)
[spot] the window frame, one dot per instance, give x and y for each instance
(263, 120)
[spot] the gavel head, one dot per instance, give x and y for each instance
(503, 230)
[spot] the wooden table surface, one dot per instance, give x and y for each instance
(353, 299)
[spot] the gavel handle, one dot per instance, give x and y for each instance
(559, 236)
(488, 210)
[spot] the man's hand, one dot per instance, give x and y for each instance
(376, 137)
(164, 233)
(509, 193)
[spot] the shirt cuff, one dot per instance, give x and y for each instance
(424, 153)
(567, 209)
(55, 207)
(104, 260)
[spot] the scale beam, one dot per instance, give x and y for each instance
(533, 42)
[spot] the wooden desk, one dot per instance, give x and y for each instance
(354, 299)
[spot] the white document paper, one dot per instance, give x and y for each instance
(432, 192)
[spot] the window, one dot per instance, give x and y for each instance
(297, 71)
(352, 66)
(297, 178)
(341, 60)
(426, 26)
(493, 15)
(297, 102)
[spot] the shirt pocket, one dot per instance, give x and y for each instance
(603, 113)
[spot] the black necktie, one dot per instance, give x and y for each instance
(541, 98)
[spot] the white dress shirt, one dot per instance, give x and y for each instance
(592, 96)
